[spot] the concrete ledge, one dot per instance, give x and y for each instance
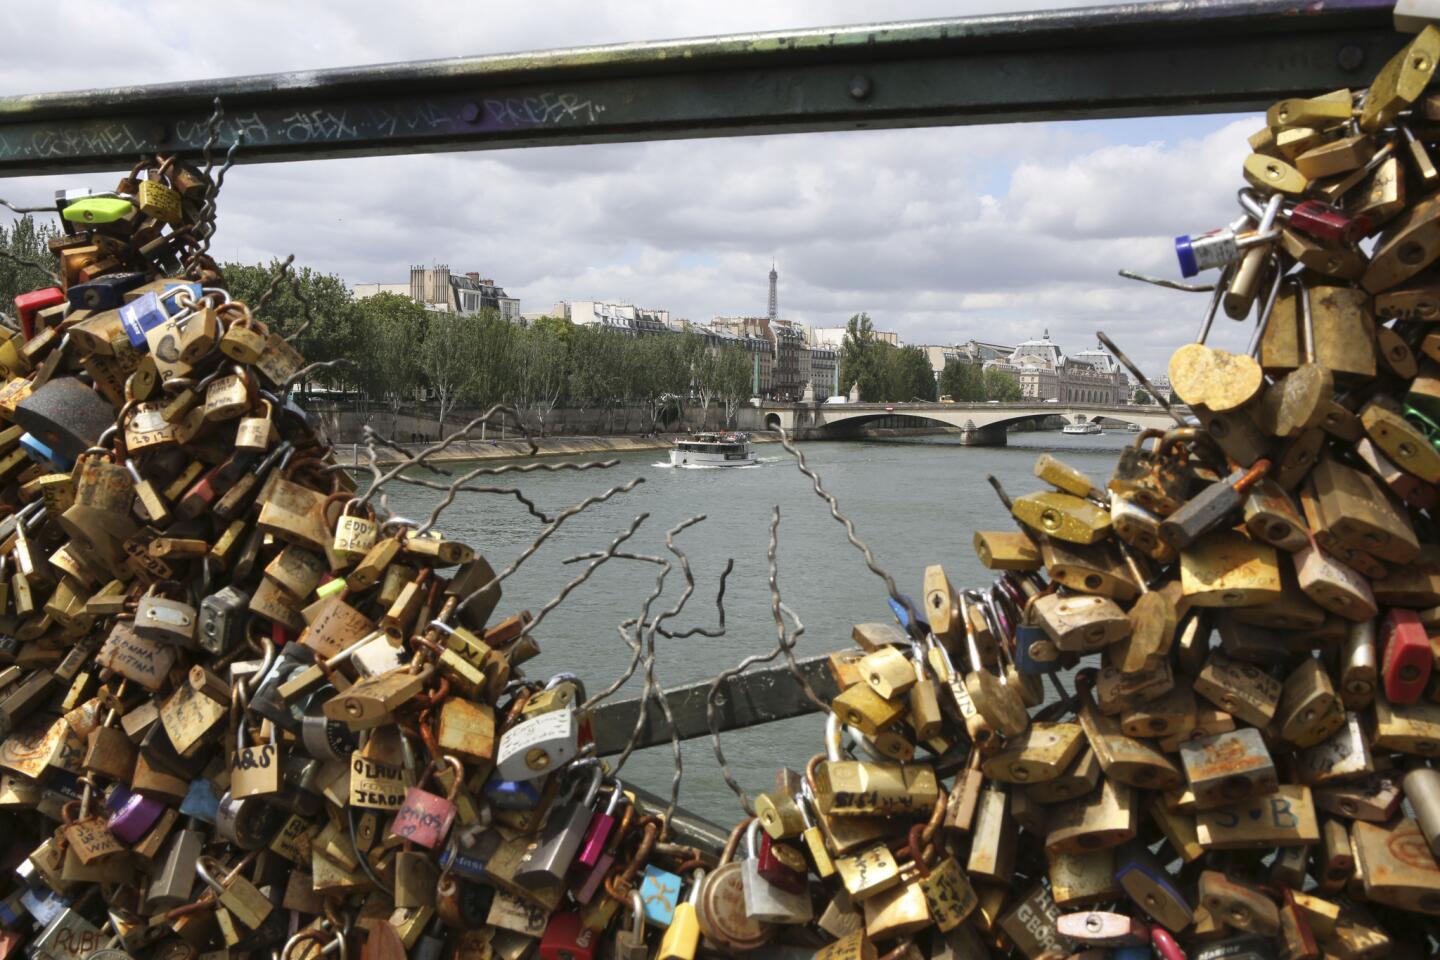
(354, 454)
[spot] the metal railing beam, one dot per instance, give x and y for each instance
(1177, 57)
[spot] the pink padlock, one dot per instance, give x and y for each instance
(133, 817)
(1164, 943)
(601, 826)
(424, 817)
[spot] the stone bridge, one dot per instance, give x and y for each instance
(981, 424)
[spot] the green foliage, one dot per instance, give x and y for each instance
(969, 382)
(1142, 396)
(862, 361)
(908, 375)
(388, 365)
(1003, 386)
(964, 382)
(25, 240)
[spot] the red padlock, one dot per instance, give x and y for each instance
(1324, 222)
(1407, 656)
(566, 938)
(28, 304)
(789, 877)
(425, 818)
(200, 496)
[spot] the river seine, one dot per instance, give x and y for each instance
(915, 502)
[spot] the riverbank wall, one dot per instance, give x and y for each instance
(354, 454)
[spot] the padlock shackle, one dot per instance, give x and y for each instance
(751, 831)
(832, 737)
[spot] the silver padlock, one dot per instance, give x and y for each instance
(222, 619)
(763, 900)
(166, 620)
(68, 936)
(175, 880)
(323, 738)
(549, 855)
(537, 746)
(248, 823)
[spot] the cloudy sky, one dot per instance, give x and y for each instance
(942, 234)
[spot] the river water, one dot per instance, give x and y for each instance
(914, 501)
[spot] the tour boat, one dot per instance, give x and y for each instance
(713, 450)
(1087, 428)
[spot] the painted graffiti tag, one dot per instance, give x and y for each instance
(547, 108)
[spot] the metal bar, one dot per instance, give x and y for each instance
(686, 828)
(1182, 56)
(760, 696)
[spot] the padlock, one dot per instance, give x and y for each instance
(1408, 658)
(865, 873)
(425, 818)
(630, 941)
(720, 907)
(993, 840)
(1240, 906)
(163, 618)
(537, 745)
(854, 787)
(1120, 757)
(549, 855)
(237, 894)
(682, 937)
(1062, 516)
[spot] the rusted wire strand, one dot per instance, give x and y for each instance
(849, 525)
(273, 286)
(544, 535)
(786, 640)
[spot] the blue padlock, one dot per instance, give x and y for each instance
(659, 892)
(139, 315)
(1130, 953)
(41, 453)
(902, 614)
(45, 906)
(1025, 660)
(200, 801)
(512, 794)
(12, 910)
(103, 293)
(470, 852)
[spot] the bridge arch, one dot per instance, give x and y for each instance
(772, 421)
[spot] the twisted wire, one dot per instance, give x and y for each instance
(273, 286)
(849, 525)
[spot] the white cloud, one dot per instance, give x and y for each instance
(941, 233)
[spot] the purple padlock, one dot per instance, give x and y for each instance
(594, 879)
(598, 834)
(134, 814)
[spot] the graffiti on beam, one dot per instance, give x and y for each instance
(69, 140)
(194, 133)
(542, 110)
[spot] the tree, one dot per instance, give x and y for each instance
(707, 381)
(660, 373)
(389, 325)
(734, 380)
(1142, 397)
(539, 370)
(909, 375)
(25, 241)
(453, 353)
(963, 382)
(860, 359)
(1002, 385)
(597, 368)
